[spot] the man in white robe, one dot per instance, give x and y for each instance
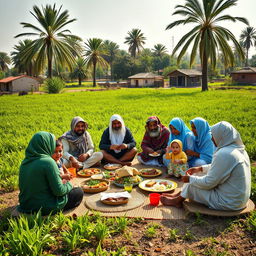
(226, 184)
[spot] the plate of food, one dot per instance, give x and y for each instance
(115, 201)
(158, 185)
(109, 175)
(134, 180)
(154, 154)
(94, 186)
(150, 173)
(88, 172)
(112, 167)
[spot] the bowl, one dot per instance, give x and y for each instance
(88, 188)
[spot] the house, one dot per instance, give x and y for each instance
(185, 78)
(19, 84)
(146, 79)
(246, 75)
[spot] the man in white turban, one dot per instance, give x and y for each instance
(117, 143)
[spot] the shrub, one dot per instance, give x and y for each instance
(54, 85)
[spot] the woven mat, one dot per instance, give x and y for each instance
(94, 203)
(195, 207)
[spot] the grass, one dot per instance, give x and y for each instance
(22, 116)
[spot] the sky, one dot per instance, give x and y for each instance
(112, 19)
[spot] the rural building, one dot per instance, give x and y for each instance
(146, 79)
(246, 75)
(185, 78)
(19, 84)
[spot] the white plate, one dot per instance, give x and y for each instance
(153, 155)
(142, 185)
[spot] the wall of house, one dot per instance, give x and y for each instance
(244, 78)
(142, 82)
(24, 84)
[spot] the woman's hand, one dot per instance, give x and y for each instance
(193, 170)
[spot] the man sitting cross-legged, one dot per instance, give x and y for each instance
(117, 143)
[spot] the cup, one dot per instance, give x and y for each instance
(128, 187)
(72, 170)
(154, 199)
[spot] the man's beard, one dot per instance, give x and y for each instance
(79, 133)
(154, 133)
(116, 129)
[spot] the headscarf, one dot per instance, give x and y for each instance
(179, 142)
(79, 141)
(41, 145)
(179, 125)
(225, 134)
(116, 137)
(203, 141)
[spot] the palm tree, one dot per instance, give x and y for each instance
(17, 58)
(111, 49)
(80, 70)
(52, 44)
(4, 61)
(94, 55)
(159, 50)
(248, 39)
(135, 40)
(207, 35)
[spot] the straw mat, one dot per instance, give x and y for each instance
(195, 207)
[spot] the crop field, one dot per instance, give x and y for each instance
(22, 116)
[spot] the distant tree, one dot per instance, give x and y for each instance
(248, 39)
(253, 61)
(4, 61)
(111, 49)
(19, 63)
(159, 50)
(135, 40)
(207, 35)
(94, 55)
(53, 41)
(80, 70)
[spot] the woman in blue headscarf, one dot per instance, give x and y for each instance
(204, 147)
(179, 131)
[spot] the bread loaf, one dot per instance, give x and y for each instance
(150, 183)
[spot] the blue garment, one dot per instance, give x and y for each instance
(186, 136)
(203, 141)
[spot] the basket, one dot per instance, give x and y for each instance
(81, 174)
(94, 190)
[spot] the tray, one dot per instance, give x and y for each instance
(112, 167)
(115, 203)
(159, 172)
(93, 170)
(173, 184)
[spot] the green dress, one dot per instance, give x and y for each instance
(39, 182)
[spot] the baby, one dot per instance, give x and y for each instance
(178, 164)
(64, 173)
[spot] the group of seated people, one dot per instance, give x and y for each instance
(216, 152)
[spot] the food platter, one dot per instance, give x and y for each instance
(150, 172)
(112, 167)
(110, 175)
(88, 172)
(115, 201)
(94, 185)
(158, 185)
(154, 154)
(134, 180)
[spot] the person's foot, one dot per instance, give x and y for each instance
(172, 201)
(175, 193)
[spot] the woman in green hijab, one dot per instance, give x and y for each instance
(39, 181)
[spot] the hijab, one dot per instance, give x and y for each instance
(41, 145)
(79, 141)
(116, 137)
(225, 134)
(203, 141)
(179, 125)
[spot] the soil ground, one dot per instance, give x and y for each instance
(203, 235)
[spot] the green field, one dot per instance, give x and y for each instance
(22, 116)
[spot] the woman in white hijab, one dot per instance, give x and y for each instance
(226, 184)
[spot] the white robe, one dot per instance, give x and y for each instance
(227, 183)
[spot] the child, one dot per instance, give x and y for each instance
(64, 173)
(178, 164)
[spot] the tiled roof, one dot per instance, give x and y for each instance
(245, 70)
(145, 76)
(12, 78)
(188, 72)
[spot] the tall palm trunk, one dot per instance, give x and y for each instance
(111, 70)
(49, 61)
(246, 61)
(94, 74)
(204, 73)
(79, 80)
